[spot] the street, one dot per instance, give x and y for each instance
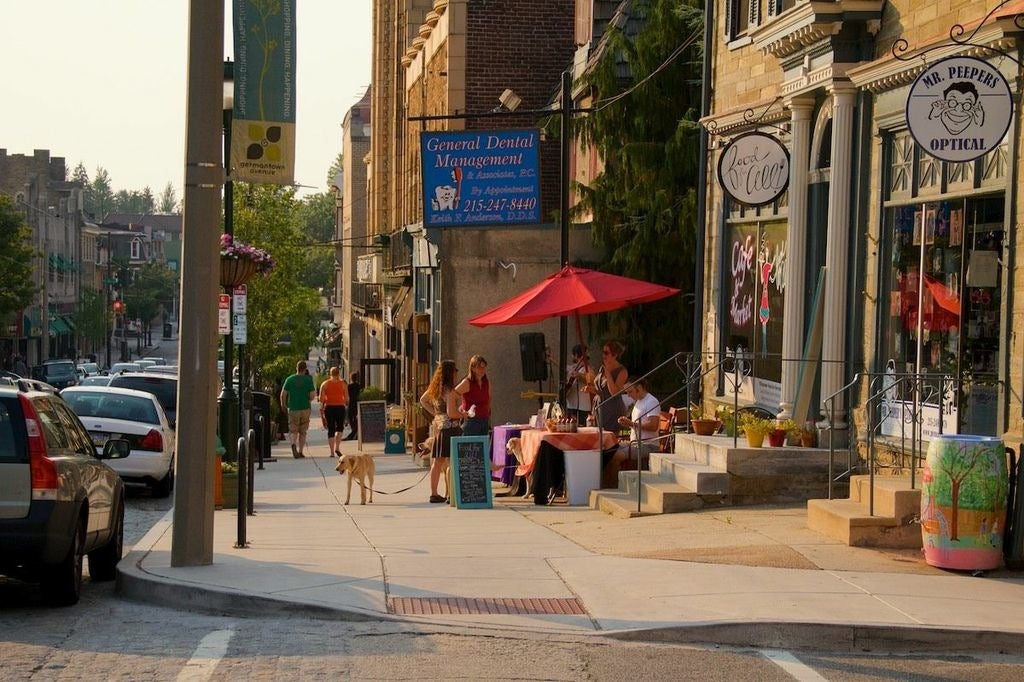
(106, 637)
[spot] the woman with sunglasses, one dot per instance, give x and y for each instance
(610, 379)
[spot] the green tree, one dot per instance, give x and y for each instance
(16, 254)
(282, 309)
(316, 221)
(644, 202)
(336, 167)
(151, 292)
(92, 317)
(102, 194)
(168, 200)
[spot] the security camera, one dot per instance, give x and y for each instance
(510, 100)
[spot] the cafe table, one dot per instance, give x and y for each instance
(544, 454)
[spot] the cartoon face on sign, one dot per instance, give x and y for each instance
(444, 198)
(959, 108)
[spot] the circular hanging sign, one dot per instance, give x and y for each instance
(754, 169)
(959, 109)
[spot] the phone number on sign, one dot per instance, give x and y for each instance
(506, 204)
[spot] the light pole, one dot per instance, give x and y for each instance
(227, 402)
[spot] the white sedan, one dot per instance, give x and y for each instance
(137, 417)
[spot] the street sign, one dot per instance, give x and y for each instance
(241, 328)
(238, 302)
(224, 314)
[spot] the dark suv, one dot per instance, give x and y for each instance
(58, 501)
(57, 373)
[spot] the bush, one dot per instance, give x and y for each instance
(372, 393)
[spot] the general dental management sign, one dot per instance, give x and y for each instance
(480, 177)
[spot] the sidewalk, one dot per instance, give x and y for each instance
(566, 570)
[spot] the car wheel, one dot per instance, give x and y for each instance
(103, 561)
(62, 583)
(163, 487)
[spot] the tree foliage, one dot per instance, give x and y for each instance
(168, 201)
(100, 200)
(16, 253)
(151, 292)
(644, 202)
(92, 316)
(282, 309)
(316, 221)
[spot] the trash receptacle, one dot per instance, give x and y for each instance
(167, 330)
(964, 488)
(260, 421)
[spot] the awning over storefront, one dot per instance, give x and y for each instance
(401, 313)
(69, 322)
(57, 326)
(31, 321)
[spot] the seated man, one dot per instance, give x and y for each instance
(643, 421)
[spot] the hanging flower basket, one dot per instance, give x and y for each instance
(235, 271)
(240, 262)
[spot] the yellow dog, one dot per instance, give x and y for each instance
(361, 468)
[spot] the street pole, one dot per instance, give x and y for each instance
(227, 402)
(192, 538)
(564, 158)
(107, 327)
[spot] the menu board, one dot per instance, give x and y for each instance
(372, 421)
(471, 472)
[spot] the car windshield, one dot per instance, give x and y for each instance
(113, 406)
(164, 388)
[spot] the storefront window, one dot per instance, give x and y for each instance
(755, 290)
(944, 301)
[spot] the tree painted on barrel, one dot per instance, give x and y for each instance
(958, 489)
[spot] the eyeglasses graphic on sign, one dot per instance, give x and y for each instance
(959, 109)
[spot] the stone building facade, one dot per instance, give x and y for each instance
(918, 311)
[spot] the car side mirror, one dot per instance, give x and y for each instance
(116, 448)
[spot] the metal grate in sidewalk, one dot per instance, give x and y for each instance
(432, 606)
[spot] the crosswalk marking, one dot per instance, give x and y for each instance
(205, 658)
(792, 665)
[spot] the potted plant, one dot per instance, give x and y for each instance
(725, 415)
(240, 262)
(701, 425)
(783, 428)
(808, 435)
(755, 428)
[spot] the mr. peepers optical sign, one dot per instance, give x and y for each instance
(754, 169)
(959, 109)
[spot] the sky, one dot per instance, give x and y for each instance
(102, 82)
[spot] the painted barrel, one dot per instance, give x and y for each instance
(963, 502)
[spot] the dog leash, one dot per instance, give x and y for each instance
(395, 492)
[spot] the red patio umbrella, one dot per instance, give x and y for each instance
(573, 291)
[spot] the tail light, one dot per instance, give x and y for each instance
(44, 472)
(152, 441)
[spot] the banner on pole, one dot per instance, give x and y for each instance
(263, 118)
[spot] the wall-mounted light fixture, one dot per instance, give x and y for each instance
(510, 101)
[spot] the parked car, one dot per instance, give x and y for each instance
(122, 367)
(59, 501)
(164, 369)
(144, 364)
(163, 386)
(36, 385)
(97, 380)
(57, 373)
(89, 368)
(156, 360)
(137, 417)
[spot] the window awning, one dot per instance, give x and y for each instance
(69, 322)
(31, 321)
(57, 326)
(401, 314)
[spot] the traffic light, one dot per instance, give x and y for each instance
(118, 306)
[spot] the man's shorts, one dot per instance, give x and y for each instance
(298, 421)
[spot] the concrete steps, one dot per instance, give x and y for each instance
(708, 470)
(893, 524)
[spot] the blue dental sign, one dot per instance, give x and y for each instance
(480, 177)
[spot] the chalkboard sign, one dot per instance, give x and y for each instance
(471, 472)
(372, 421)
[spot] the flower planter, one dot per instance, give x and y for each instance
(705, 427)
(755, 437)
(230, 488)
(777, 438)
(236, 271)
(807, 439)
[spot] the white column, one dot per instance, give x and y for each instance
(837, 250)
(796, 249)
